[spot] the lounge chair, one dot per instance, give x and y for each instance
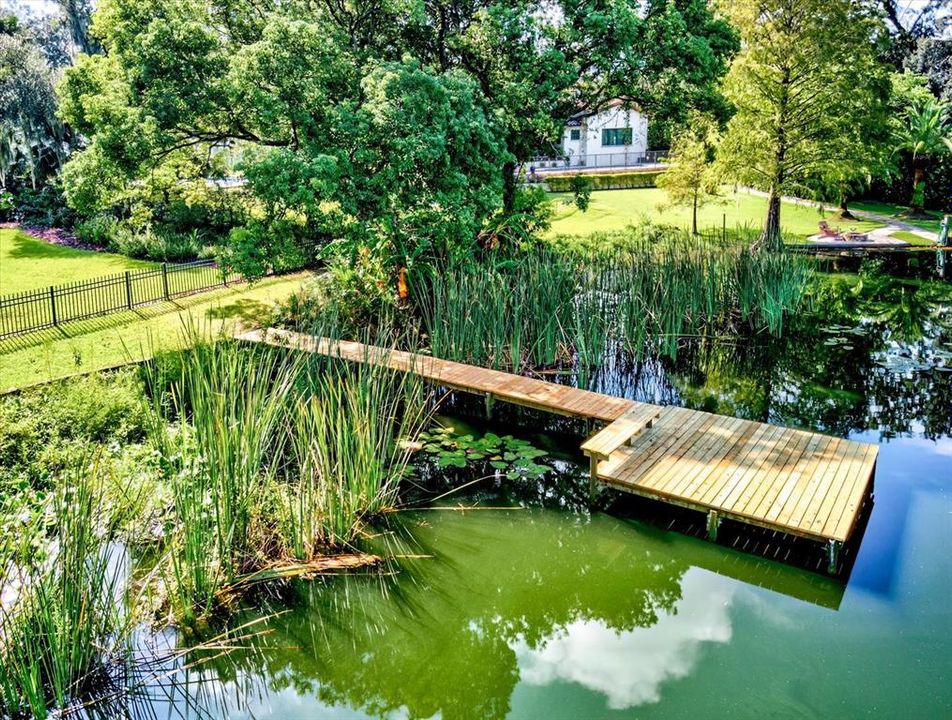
(827, 232)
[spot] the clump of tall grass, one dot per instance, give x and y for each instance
(272, 458)
(62, 619)
(542, 307)
(349, 433)
(217, 429)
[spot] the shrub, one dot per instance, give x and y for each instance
(582, 191)
(41, 429)
(99, 230)
(152, 243)
(45, 206)
(605, 181)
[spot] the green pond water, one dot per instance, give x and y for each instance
(541, 609)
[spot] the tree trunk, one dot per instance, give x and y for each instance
(508, 186)
(770, 238)
(917, 206)
(694, 216)
(843, 213)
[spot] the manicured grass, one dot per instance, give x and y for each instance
(894, 211)
(104, 342)
(27, 263)
(617, 209)
(911, 238)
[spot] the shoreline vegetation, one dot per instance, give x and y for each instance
(237, 468)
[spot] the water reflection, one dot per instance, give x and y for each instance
(500, 598)
(630, 668)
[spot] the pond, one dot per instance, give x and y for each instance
(529, 606)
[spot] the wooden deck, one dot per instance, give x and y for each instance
(797, 482)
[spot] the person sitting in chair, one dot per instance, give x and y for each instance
(827, 232)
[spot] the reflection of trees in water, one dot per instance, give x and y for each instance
(438, 638)
(871, 355)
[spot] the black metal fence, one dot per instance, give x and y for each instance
(50, 307)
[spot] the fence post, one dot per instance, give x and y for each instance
(53, 305)
(128, 290)
(165, 281)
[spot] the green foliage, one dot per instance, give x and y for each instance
(42, 430)
(794, 86)
(33, 140)
(692, 178)
(506, 455)
(234, 402)
(62, 624)
(924, 132)
(373, 129)
(581, 191)
(606, 181)
(44, 206)
(544, 307)
(351, 436)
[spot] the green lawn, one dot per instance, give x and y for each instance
(894, 211)
(90, 345)
(27, 263)
(617, 209)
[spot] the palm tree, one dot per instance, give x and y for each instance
(925, 132)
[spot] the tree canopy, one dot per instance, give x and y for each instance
(395, 122)
(797, 98)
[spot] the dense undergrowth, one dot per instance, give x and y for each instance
(230, 466)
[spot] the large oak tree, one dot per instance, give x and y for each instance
(394, 119)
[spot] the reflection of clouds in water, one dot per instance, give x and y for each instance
(940, 446)
(629, 667)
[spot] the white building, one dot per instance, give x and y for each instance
(616, 135)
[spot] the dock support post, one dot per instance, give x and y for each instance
(713, 523)
(833, 555)
(592, 476)
(489, 405)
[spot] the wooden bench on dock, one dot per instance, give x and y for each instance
(797, 482)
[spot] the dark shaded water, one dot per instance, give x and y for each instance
(547, 612)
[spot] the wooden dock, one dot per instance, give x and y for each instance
(802, 483)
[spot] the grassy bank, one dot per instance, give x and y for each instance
(27, 263)
(898, 212)
(613, 210)
(104, 342)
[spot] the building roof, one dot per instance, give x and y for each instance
(576, 119)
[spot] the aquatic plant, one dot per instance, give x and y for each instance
(217, 430)
(541, 307)
(505, 454)
(350, 433)
(62, 619)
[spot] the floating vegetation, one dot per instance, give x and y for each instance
(505, 454)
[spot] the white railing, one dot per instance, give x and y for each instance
(595, 161)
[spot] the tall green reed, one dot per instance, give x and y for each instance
(63, 617)
(349, 431)
(543, 306)
(218, 429)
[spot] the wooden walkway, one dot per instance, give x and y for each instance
(797, 482)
